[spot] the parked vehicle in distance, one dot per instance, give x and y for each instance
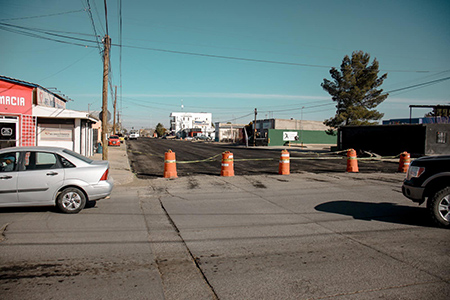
(121, 137)
(43, 176)
(113, 140)
(428, 179)
(203, 138)
(133, 135)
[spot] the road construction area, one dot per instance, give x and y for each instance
(204, 158)
(309, 235)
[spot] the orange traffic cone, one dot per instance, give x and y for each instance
(170, 165)
(352, 161)
(227, 164)
(284, 168)
(405, 160)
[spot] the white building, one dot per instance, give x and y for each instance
(184, 124)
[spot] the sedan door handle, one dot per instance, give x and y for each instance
(52, 173)
(6, 177)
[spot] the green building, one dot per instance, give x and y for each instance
(280, 132)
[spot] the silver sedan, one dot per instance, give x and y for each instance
(41, 176)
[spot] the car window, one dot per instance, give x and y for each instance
(40, 161)
(8, 161)
(79, 156)
(65, 163)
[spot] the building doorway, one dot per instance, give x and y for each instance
(9, 128)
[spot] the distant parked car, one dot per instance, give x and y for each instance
(134, 134)
(121, 137)
(41, 176)
(113, 140)
(203, 138)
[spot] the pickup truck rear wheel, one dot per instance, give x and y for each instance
(439, 207)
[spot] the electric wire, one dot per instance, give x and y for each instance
(67, 67)
(409, 82)
(43, 16)
(18, 31)
(98, 16)
(420, 85)
(22, 30)
(89, 11)
(54, 35)
(205, 54)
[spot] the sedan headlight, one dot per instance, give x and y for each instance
(414, 172)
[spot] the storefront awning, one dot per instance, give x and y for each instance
(51, 112)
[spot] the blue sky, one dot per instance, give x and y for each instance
(227, 57)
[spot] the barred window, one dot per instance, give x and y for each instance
(441, 137)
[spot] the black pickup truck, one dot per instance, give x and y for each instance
(428, 178)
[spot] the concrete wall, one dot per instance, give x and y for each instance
(300, 124)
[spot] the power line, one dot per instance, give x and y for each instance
(43, 16)
(241, 117)
(205, 54)
(21, 30)
(300, 107)
(256, 60)
(417, 79)
(98, 17)
(49, 31)
(89, 11)
(420, 84)
(225, 57)
(42, 37)
(68, 66)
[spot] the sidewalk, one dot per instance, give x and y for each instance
(119, 167)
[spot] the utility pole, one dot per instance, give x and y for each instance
(254, 133)
(107, 43)
(115, 102)
(119, 125)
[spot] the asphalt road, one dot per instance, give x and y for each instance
(309, 235)
(147, 159)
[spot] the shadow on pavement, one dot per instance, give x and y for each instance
(53, 209)
(384, 212)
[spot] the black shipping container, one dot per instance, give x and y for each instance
(387, 140)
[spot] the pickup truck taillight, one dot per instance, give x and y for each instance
(105, 175)
(414, 172)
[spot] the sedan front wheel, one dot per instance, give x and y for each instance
(71, 200)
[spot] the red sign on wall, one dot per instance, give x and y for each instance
(15, 98)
